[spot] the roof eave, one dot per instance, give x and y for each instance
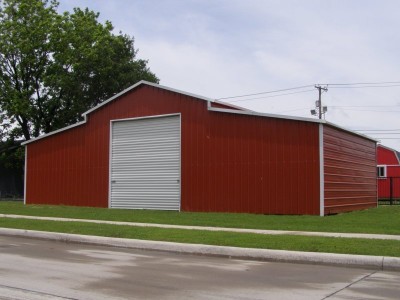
(54, 132)
(235, 110)
(353, 132)
(254, 113)
(144, 82)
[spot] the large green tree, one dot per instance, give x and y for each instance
(55, 66)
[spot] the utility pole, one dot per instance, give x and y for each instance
(321, 109)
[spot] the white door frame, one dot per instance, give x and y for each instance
(139, 118)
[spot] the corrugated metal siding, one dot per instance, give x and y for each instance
(349, 171)
(240, 163)
(145, 164)
(230, 162)
(393, 171)
(68, 168)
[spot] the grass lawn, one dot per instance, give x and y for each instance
(384, 219)
(283, 242)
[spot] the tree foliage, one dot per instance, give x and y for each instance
(53, 66)
(11, 155)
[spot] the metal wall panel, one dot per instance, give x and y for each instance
(229, 162)
(241, 163)
(145, 163)
(349, 171)
(386, 156)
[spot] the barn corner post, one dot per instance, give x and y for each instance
(25, 171)
(180, 162)
(321, 171)
(109, 163)
(376, 180)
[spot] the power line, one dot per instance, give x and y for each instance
(341, 106)
(338, 107)
(361, 87)
(356, 85)
(374, 133)
(376, 129)
(269, 92)
(363, 83)
(306, 91)
(285, 111)
(371, 110)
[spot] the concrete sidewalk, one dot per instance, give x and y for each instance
(342, 260)
(206, 228)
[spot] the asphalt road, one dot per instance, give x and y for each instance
(35, 269)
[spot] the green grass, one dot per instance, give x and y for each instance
(298, 243)
(384, 220)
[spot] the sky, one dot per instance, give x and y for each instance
(229, 48)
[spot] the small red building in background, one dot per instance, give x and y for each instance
(388, 173)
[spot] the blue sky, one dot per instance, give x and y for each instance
(221, 48)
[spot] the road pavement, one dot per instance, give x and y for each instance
(33, 269)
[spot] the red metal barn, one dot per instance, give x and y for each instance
(153, 147)
(388, 173)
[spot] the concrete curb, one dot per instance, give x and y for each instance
(207, 228)
(342, 260)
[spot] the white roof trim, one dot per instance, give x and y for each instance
(253, 113)
(353, 132)
(113, 98)
(55, 131)
(231, 105)
(237, 110)
(288, 118)
(151, 84)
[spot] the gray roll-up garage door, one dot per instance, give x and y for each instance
(145, 163)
